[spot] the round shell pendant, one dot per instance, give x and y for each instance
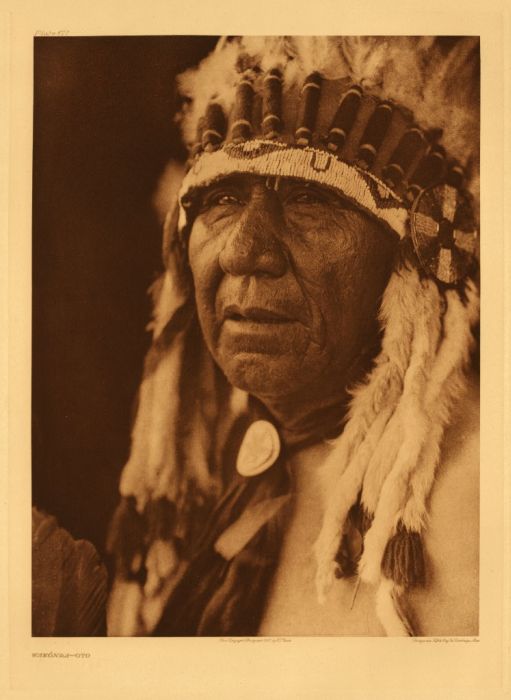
(259, 449)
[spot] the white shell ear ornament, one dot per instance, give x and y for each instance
(444, 233)
(259, 449)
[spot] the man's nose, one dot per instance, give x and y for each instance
(253, 245)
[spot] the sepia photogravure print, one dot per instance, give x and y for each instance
(280, 439)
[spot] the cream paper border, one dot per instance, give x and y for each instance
(306, 668)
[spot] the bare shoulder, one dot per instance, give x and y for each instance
(449, 603)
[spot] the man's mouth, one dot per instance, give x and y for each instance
(255, 314)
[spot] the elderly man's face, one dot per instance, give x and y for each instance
(287, 283)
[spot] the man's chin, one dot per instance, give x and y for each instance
(265, 359)
(262, 374)
(259, 338)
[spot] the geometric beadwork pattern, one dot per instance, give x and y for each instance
(444, 232)
(277, 159)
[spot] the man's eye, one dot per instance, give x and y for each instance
(221, 199)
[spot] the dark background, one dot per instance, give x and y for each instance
(103, 133)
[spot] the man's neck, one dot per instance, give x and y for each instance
(308, 420)
(316, 413)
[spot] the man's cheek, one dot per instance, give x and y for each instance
(206, 314)
(205, 285)
(329, 289)
(210, 326)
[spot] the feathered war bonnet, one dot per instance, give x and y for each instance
(392, 124)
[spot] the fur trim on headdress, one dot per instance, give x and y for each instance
(394, 463)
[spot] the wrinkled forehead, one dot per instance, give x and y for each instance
(268, 159)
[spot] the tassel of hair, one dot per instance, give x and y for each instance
(403, 559)
(407, 433)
